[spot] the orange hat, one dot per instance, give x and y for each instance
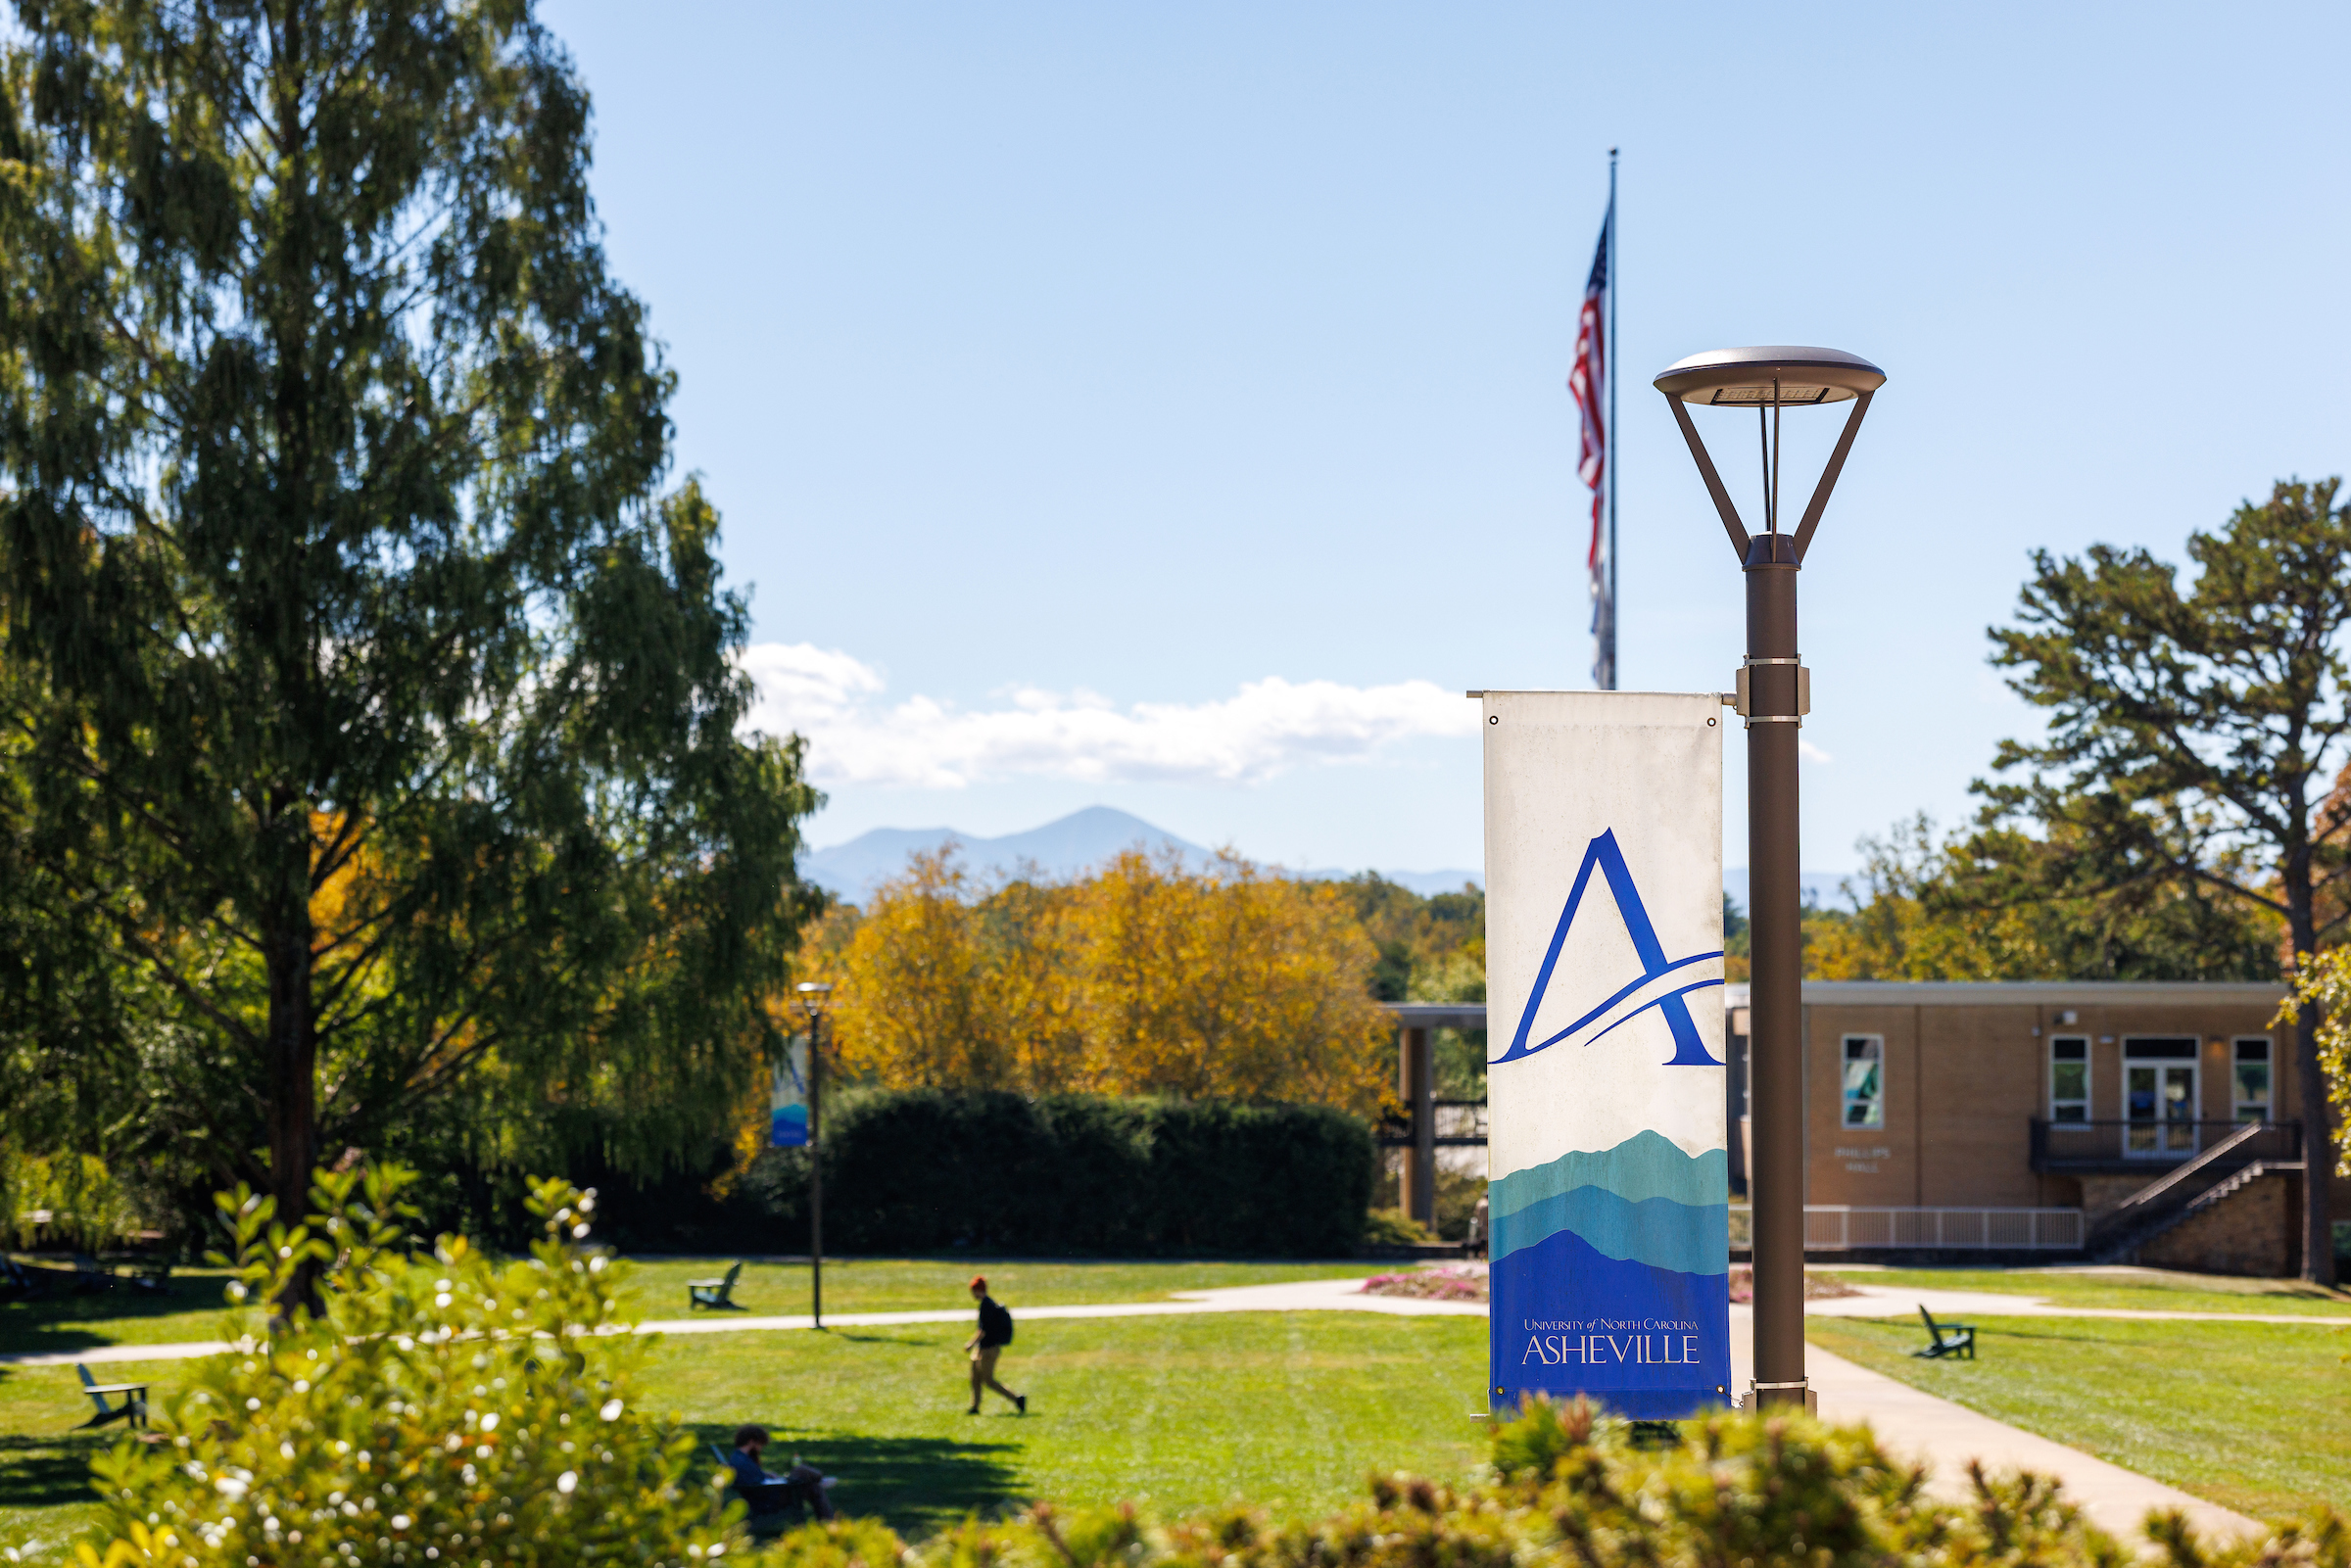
(979, 1282)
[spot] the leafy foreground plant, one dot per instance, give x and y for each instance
(464, 1414)
(1570, 1489)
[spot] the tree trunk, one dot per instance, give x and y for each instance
(2310, 1090)
(291, 1062)
(2317, 1152)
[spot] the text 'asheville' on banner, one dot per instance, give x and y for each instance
(1611, 1178)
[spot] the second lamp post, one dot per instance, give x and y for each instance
(812, 1001)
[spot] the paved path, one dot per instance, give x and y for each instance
(1893, 1300)
(1331, 1295)
(1317, 1295)
(1944, 1435)
(1947, 1436)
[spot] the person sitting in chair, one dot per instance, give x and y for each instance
(769, 1496)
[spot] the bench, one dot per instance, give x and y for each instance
(90, 1275)
(152, 1275)
(713, 1293)
(132, 1408)
(1946, 1339)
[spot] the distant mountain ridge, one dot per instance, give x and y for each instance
(1076, 843)
(1070, 846)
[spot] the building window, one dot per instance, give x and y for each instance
(2250, 1081)
(2068, 1078)
(1864, 1081)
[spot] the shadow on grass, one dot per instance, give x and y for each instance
(41, 1472)
(918, 1485)
(53, 1319)
(887, 1338)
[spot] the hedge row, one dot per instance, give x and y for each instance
(931, 1170)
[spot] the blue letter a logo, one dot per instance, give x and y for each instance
(1660, 984)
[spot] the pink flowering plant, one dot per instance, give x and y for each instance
(450, 1413)
(1430, 1284)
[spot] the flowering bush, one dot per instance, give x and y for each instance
(1430, 1284)
(456, 1415)
(1571, 1490)
(1817, 1287)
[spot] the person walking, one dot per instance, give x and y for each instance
(996, 1332)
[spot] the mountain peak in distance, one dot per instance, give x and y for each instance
(1067, 847)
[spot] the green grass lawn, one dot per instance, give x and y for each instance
(2253, 1417)
(44, 1467)
(2154, 1290)
(1290, 1410)
(191, 1308)
(934, 1284)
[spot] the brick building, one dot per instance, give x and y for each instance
(2120, 1120)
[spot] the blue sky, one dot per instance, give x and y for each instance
(1162, 406)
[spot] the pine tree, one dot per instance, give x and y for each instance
(2193, 735)
(368, 698)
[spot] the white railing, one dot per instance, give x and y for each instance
(1839, 1228)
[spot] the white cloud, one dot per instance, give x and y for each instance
(1267, 726)
(1810, 752)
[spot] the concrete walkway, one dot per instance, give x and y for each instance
(1304, 1296)
(1890, 1300)
(1944, 1435)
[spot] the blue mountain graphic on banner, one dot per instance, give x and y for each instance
(1661, 983)
(1644, 1200)
(1647, 1164)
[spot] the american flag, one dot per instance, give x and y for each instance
(1589, 382)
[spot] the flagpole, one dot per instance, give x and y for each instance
(1615, 432)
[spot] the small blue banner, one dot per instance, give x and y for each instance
(788, 1099)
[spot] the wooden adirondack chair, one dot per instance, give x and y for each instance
(1946, 1339)
(132, 1408)
(712, 1293)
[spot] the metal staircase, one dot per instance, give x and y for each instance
(2256, 1150)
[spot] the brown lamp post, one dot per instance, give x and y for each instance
(1774, 692)
(812, 1001)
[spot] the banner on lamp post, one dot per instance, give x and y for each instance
(1610, 1177)
(787, 1098)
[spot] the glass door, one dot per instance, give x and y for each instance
(2159, 1099)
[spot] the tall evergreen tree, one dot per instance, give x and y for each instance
(367, 698)
(2194, 734)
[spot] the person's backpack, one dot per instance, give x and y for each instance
(995, 1323)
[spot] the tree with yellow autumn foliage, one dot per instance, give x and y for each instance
(1149, 978)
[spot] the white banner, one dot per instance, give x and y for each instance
(1611, 1181)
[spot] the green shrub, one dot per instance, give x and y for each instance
(1568, 1490)
(89, 1209)
(441, 1413)
(1393, 1227)
(927, 1170)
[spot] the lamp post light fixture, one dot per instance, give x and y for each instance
(812, 1001)
(1774, 693)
